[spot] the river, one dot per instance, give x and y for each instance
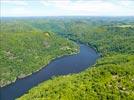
(60, 66)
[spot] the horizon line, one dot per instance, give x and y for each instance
(75, 16)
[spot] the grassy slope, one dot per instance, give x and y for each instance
(25, 49)
(111, 78)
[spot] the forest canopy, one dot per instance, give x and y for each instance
(29, 40)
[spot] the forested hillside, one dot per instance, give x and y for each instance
(28, 44)
(111, 78)
(25, 49)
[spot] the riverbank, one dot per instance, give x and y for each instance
(106, 79)
(60, 66)
(53, 59)
(25, 53)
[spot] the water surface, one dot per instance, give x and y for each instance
(60, 66)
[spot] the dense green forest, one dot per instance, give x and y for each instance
(111, 78)
(25, 50)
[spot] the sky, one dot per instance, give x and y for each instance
(66, 8)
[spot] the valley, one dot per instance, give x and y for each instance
(29, 44)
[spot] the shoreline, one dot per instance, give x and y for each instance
(44, 66)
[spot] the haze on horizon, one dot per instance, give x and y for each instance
(17, 8)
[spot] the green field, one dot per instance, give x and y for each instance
(111, 78)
